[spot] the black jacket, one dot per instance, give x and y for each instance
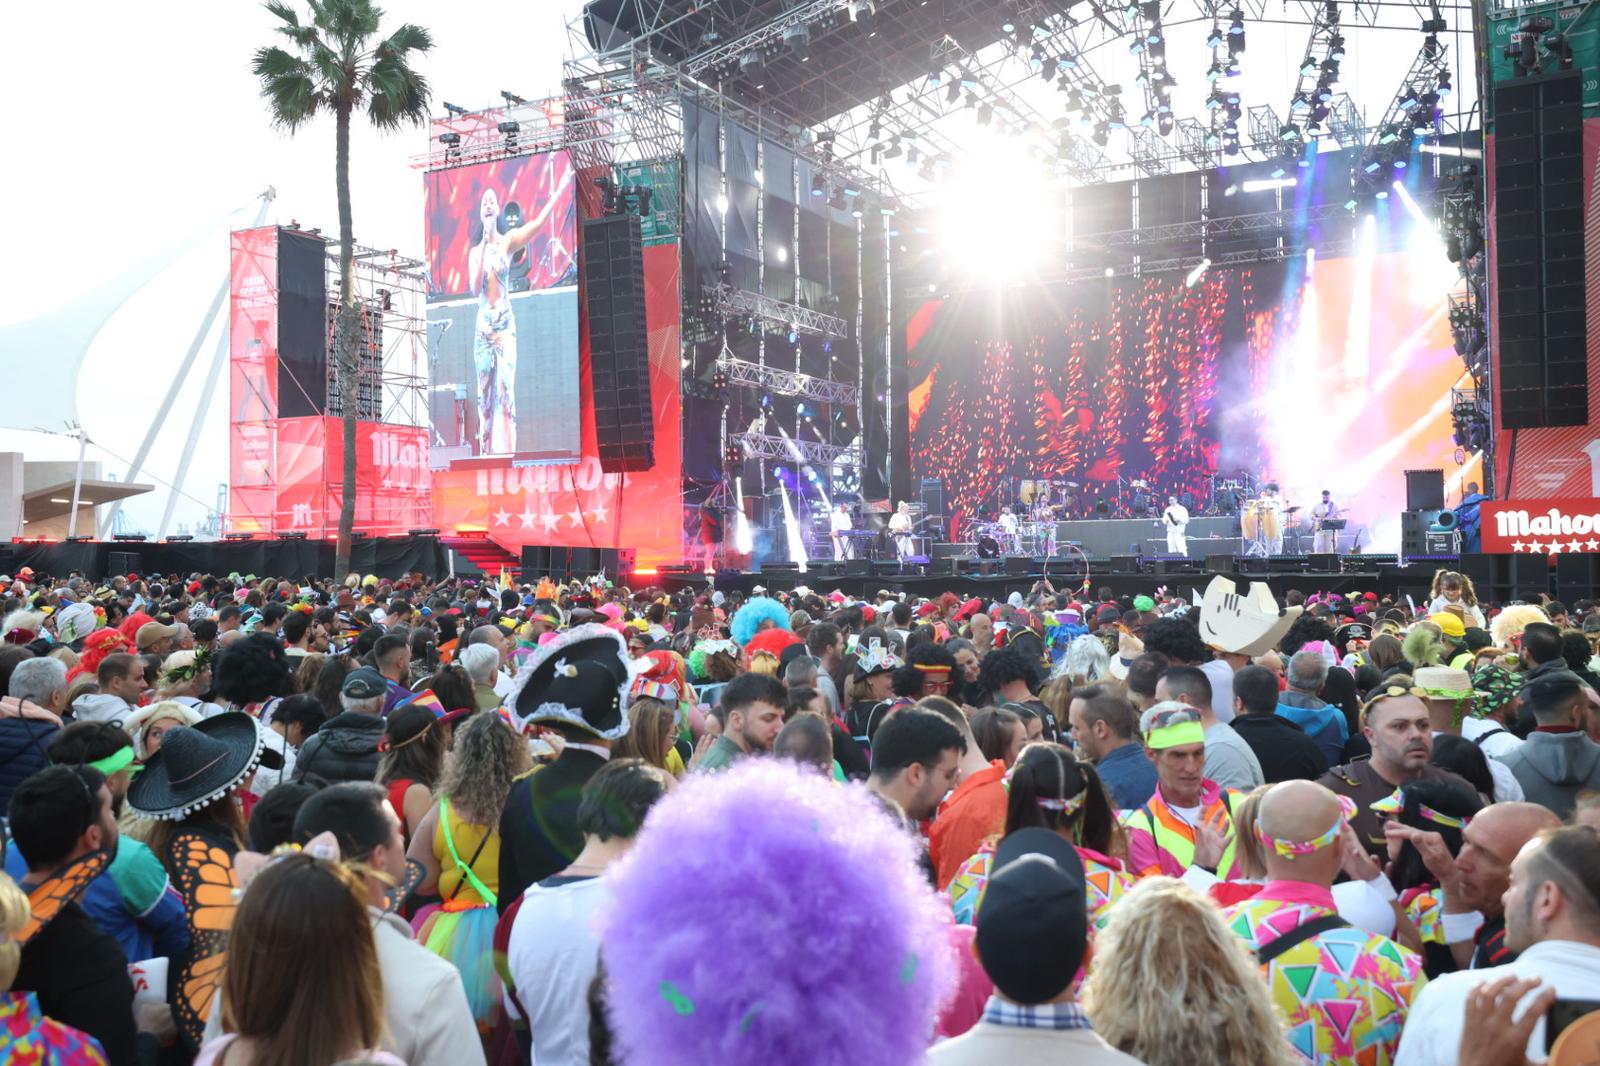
(1285, 751)
(539, 826)
(344, 749)
(81, 978)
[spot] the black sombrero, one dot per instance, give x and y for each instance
(199, 764)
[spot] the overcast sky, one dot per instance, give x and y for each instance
(146, 126)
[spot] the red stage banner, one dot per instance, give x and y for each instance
(576, 504)
(252, 378)
(1550, 526)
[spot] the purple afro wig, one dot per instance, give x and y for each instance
(767, 915)
(747, 619)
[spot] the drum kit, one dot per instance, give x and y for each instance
(1032, 537)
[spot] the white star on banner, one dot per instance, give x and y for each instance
(576, 515)
(1593, 545)
(502, 517)
(1574, 546)
(528, 518)
(551, 520)
(1518, 546)
(1535, 546)
(1554, 547)
(599, 513)
(387, 483)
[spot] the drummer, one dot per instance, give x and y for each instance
(1275, 506)
(1010, 539)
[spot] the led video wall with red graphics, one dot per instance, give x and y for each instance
(1330, 375)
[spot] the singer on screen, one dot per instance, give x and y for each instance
(494, 348)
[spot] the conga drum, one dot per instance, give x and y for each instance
(1250, 519)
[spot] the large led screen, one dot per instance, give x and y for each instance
(503, 321)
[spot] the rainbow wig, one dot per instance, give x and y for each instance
(761, 963)
(747, 619)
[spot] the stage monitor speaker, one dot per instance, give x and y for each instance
(1540, 278)
(1124, 564)
(823, 568)
(1219, 564)
(858, 567)
(1323, 563)
(619, 353)
(1018, 564)
(1424, 490)
(123, 563)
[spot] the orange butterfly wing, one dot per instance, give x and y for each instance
(59, 889)
(205, 878)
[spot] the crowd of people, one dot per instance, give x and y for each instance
(258, 821)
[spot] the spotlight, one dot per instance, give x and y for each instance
(1445, 88)
(1433, 25)
(861, 10)
(985, 114)
(952, 94)
(1215, 38)
(511, 99)
(510, 129)
(1047, 68)
(454, 109)
(1102, 133)
(1236, 31)
(1195, 274)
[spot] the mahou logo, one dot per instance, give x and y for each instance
(1550, 527)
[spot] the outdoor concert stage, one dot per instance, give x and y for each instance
(1381, 574)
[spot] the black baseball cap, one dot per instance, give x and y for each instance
(364, 683)
(1032, 925)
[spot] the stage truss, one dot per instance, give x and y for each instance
(392, 290)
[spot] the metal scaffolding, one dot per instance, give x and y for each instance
(787, 382)
(766, 446)
(734, 303)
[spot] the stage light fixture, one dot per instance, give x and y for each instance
(511, 99)
(1434, 25)
(1308, 66)
(753, 65)
(1215, 38)
(450, 138)
(985, 114)
(1047, 68)
(1236, 41)
(1445, 88)
(454, 109)
(1197, 273)
(1335, 50)
(710, 37)
(861, 10)
(1102, 133)
(798, 40)
(1231, 190)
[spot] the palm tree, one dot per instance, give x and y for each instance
(338, 64)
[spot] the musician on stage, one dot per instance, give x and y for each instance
(1270, 497)
(1324, 540)
(1176, 519)
(840, 521)
(1011, 541)
(900, 529)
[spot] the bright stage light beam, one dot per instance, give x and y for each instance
(791, 528)
(1268, 184)
(1197, 273)
(1000, 218)
(1452, 150)
(743, 540)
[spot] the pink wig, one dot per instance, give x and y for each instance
(812, 936)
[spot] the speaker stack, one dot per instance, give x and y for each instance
(619, 354)
(1539, 252)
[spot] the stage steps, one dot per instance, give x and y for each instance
(482, 554)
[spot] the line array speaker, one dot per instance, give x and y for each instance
(619, 354)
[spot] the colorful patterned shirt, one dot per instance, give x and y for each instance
(28, 1038)
(1343, 993)
(1161, 841)
(1104, 878)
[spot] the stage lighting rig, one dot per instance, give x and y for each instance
(511, 99)
(454, 109)
(509, 131)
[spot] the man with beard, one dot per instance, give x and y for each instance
(1395, 722)
(1552, 911)
(1474, 881)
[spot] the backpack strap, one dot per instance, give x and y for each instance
(1299, 935)
(1485, 736)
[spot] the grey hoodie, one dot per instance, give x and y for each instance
(101, 707)
(1553, 768)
